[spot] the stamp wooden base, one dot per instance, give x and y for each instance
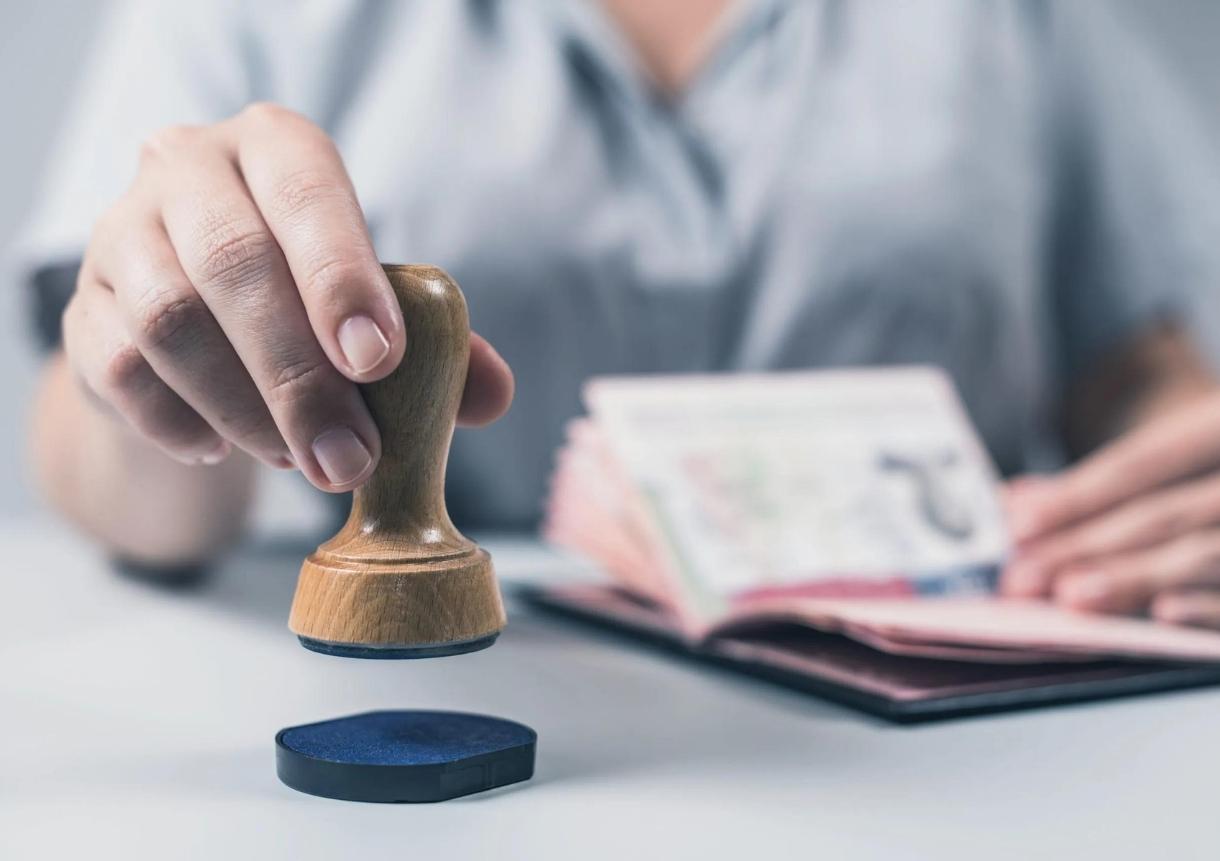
(397, 608)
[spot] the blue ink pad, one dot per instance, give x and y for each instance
(404, 756)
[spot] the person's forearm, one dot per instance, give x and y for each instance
(138, 503)
(1151, 376)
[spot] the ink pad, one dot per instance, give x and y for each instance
(404, 756)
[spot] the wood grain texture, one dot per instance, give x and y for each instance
(399, 574)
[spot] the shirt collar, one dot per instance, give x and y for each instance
(587, 30)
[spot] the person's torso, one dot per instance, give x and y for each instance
(842, 184)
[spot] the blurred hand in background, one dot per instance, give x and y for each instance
(1134, 528)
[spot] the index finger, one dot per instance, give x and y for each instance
(297, 179)
(1168, 450)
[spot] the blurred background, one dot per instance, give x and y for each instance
(40, 47)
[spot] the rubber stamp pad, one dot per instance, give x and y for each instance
(404, 756)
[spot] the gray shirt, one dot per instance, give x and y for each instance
(1002, 189)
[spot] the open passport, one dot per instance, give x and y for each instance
(838, 531)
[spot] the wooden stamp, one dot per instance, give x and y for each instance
(399, 580)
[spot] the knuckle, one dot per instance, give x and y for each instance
(331, 278)
(235, 255)
(123, 370)
(263, 112)
(163, 418)
(293, 380)
(271, 118)
(299, 192)
(249, 425)
(165, 320)
(245, 420)
(167, 141)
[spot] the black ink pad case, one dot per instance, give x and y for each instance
(404, 756)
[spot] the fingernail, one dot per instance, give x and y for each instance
(217, 454)
(1083, 588)
(341, 455)
(362, 343)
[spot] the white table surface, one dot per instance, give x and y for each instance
(139, 723)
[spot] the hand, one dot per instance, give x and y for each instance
(232, 298)
(1135, 528)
